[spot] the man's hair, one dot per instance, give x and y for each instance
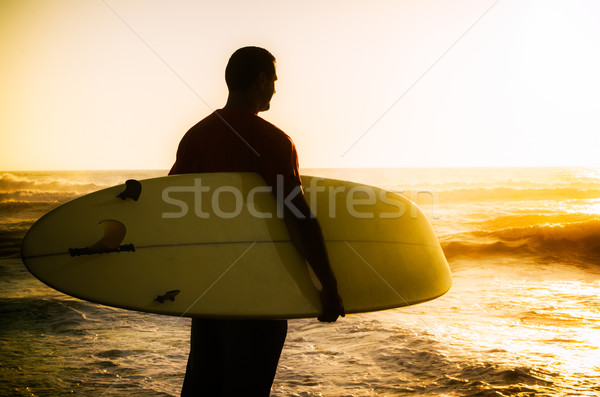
(245, 65)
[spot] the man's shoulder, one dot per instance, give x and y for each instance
(246, 125)
(271, 131)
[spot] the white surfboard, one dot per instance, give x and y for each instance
(214, 245)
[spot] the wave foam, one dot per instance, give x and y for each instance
(10, 182)
(576, 240)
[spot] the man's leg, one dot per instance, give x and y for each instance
(252, 352)
(204, 372)
(233, 357)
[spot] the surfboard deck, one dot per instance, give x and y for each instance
(213, 245)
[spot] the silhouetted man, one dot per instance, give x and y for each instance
(240, 357)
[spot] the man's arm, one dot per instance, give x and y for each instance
(306, 234)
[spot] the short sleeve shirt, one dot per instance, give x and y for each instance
(234, 140)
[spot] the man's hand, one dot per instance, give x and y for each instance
(332, 306)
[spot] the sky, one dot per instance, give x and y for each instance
(107, 84)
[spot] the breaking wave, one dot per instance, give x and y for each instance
(578, 241)
(479, 194)
(13, 182)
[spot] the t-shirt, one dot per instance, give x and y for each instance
(234, 140)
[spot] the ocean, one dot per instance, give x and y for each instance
(521, 319)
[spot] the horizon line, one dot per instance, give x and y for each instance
(166, 170)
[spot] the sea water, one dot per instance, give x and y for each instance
(521, 319)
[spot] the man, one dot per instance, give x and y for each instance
(240, 357)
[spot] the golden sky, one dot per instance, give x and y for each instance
(107, 84)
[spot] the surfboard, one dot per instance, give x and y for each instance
(215, 245)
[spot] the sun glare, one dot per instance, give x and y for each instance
(496, 84)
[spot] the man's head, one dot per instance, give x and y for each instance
(252, 70)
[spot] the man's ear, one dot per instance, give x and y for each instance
(261, 80)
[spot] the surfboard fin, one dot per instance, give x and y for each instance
(133, 189)
(114, 232)
(167, 295)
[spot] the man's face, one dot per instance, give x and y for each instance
(268, 89)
